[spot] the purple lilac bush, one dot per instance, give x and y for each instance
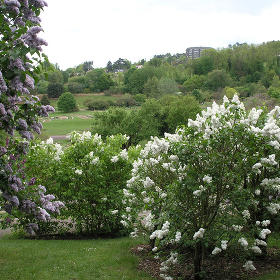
(20, 57)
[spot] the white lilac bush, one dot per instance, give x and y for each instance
(88, 176)
(212, 186)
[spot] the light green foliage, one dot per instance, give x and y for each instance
(88, 176)
(153, 118)
(42, 87)
(76, 84)
(194, 82)
(230, 92)
(151, 88)
(67, 103)
(167, 86)
(98, 80)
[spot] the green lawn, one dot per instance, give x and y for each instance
(69, 259)
(63, 127)
(81, 98)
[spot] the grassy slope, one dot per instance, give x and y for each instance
(69, 259)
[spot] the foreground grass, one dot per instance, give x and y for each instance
(69, 259)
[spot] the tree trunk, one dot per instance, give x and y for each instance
(198, 261)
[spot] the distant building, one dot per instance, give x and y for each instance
(139, 66)
(195, 52)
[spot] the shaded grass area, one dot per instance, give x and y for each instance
(69, 259)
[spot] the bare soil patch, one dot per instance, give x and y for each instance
(218, 268)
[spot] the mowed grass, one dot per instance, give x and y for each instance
(82, 98)
(63, 127)
(69, 259)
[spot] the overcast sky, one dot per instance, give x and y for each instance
(103, 30)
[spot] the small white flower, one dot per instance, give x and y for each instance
(224, 244)
(199, 234)
(155, 249)
(257, 192)
(49, 141)
(216, 251)
(207, 179)
(79, 172)
(114, 212)
(243, 242)
(249, 266)
(256, 249)
(114, 159)
(265, 223)
(246, 214)
(178, 236)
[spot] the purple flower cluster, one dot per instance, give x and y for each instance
(3, 86)
(17, 63)
(17, 110)
(32, 40)
(13, 5)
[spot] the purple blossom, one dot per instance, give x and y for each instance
(29, 81)
(12, 3)
(26, 134)
(32, 181)
(3, 151)
(31, 228)
(2, 110)
(17, 63)
(3, 86)
(16, 84)
(22, 124)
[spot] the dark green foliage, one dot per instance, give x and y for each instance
(76, 84)
(67, 103)
(218, 79)
(98, 80)
(98, 104)
(153, 118)
(125, 101)
(42, 87)
(55, 90)
(45, 100)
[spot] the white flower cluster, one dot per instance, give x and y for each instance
(249, 266)
(199, 191)
(273, 208)
(264, 233)
(164, 266)
(160, 233)
(79, 171)
(217, 250)
(199, 234)
(246, 214)
(243, 242)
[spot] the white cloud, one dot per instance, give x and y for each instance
(136, 29)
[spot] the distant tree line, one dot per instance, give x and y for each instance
(246, 69)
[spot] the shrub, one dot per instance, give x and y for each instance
(88, 175)
(45, 100)
(67, 103)
(211, 186)
(55, 90)
(98, 104)
(125, 101)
